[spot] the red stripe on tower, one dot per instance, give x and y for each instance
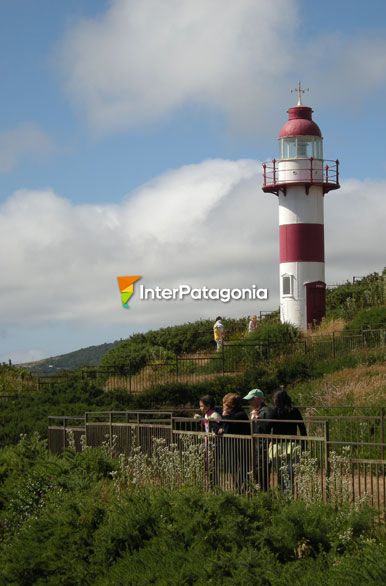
(301, 243)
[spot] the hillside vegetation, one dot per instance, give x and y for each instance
(72, 520)
(90, 356)
(76, 520)
(343, 304)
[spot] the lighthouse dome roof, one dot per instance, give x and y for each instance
(300, 123)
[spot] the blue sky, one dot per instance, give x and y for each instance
(100, 98)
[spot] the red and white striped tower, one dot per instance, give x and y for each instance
(300, 178)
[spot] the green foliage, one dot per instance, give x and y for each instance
(189, 337)
(12, 379)
(368, 319)
(347, 299)
(274, 333)
(28, 412)
(182, 394)
(296, 368)
(131, 357)
(82, 531)
(163, 345)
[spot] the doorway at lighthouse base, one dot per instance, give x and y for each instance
(303, 303)
(315, 302)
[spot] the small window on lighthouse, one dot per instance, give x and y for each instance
(287, 285)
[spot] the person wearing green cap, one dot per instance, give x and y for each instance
(260, 412)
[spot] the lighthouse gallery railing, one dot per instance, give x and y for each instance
(311, 172)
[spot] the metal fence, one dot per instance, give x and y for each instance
(233, 360)
(328, 464)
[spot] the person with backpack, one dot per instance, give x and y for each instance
(284, 453)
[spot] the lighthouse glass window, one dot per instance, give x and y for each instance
(301, 147)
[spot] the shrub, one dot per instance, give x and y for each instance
(131, 357)
(345, 300)
(182, 394)
(372, 318)
(84, 532)
(294, 369)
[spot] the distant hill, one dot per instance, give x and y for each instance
(90, 356)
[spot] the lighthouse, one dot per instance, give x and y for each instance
(300, 178)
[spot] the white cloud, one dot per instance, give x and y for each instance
(63, 259)
(205, 224)
(23, 142)
(140, 61)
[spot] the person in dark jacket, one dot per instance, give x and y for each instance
(235, 450)
(290, 416)
(234, 419)
(259, 416)
(287, 420)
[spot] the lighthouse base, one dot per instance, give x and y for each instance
(302, 294)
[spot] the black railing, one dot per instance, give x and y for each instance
(232, 361)
(330, 459)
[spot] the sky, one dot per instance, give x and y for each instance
(131, 141)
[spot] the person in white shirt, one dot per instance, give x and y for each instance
(218, 333)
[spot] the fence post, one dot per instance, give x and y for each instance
(64, 432)
(327, 456)
(177, 373)
(223, 359)
(111, 431)
(382, 432)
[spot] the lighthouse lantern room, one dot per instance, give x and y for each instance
(300, 178)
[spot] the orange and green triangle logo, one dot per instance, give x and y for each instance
(126, 287)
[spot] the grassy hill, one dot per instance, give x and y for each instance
(90, 356)
(344, 303)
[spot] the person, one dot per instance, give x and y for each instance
(211, 417)
(259, 416)
(218, 333)
(258, 410)
(290, 416)
(210, 420)
(235, 451)
(286, 421)
(252, 325)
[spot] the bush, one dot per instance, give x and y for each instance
(367, 319)
(181, 394)
(345, 300)
(294, 369)
(131, 357)
(273, 334)
(85, 530)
